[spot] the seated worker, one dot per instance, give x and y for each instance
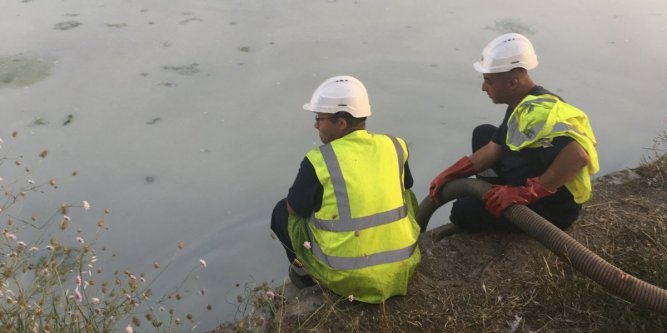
(348, 220)
(542, 155)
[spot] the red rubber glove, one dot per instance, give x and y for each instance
(500, 197)
(462, 168)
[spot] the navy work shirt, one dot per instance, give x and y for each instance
(305, 195)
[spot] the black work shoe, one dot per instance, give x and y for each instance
(300, 280)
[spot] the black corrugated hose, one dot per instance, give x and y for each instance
(615, 280)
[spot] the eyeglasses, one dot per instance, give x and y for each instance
(318, 118)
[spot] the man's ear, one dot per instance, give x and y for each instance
(342, 123)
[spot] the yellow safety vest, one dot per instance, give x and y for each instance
(537, 120)
(364, 237)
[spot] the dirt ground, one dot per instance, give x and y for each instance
(506, 282)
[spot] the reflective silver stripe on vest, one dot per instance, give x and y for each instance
(515, 137)
(531, 104)
(345, 222)
(399, 152)
(562, 127)
(338, 182)
(374, 259)
(361, 223)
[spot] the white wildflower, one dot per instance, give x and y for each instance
(30, 181)
(306, 244)
(95, 300)
(86, 205)
(514, 324)
(270, 294)
(77, 294)
(129, 329)
(350, 298)
(202, 262)
(66, 218)
(80, 240)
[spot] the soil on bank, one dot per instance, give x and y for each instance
(506, 282)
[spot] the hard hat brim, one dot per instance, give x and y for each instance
(357, 113)
(479, 68)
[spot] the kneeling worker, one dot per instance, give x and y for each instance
(542, 155)
(348, 219)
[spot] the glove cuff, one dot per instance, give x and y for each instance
(462, 168)
(539, 189)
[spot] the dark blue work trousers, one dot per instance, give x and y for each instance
(279, 222)
(469, 212)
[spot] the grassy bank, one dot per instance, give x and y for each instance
(506, 282)
(55, 277)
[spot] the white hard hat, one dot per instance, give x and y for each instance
(505, 53)
(340, 93)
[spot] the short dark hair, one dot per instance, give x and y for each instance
(350, 119)
(518, 71)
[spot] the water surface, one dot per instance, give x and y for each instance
(184, 117)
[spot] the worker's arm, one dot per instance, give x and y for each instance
(480, 160)
(305, 195)
(290, 210)
(569, 161)
(486, 156)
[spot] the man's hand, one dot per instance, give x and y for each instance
(462, 168)
(500, 197)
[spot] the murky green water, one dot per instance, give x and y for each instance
(21, 72)
(184, 117)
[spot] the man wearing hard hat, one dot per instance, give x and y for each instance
(542, 155)
(348, 221)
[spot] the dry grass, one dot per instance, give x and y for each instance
(508, 282)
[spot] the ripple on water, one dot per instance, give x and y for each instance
(187, 70)
(22, 72)
(66, 25)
